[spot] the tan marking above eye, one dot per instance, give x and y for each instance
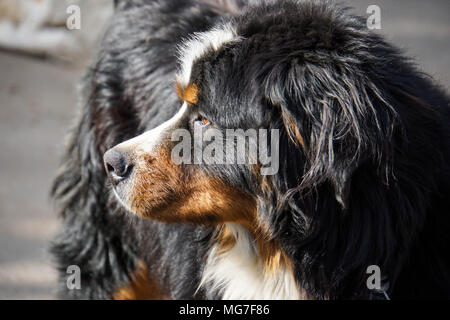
(188, 93)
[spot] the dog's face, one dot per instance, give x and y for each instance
(151, 184)
(151, 181)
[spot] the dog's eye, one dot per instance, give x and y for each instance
(201, 121)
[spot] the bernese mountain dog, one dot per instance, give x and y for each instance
(362, 144)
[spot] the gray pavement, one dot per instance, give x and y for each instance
(38, 105)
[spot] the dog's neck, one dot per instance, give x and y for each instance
(242, 267)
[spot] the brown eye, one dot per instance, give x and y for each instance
(202, 121)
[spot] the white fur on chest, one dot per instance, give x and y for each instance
(239, 273)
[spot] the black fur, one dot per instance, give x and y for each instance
(371, 188)
(128, 89)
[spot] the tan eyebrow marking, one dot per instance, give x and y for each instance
(188, 93)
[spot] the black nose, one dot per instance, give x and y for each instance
(117, 165)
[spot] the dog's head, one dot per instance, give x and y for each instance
(295, 84)
(151, 181)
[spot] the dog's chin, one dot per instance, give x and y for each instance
(122, 197)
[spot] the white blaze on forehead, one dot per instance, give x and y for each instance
(199, 44)
(150, 140)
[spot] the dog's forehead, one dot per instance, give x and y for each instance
(201, 44)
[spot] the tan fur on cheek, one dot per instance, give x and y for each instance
(211, 197)
(164, 191)
(157, 182)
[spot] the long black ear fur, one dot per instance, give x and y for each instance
(372, 139)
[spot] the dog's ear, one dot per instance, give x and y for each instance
(337, 116)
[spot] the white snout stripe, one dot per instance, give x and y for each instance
(151, 139)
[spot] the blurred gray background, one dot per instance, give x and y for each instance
(38, 105)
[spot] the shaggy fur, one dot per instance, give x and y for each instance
(364, 174)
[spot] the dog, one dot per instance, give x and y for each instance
(362, 183)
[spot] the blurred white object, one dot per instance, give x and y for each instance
(39, 26)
